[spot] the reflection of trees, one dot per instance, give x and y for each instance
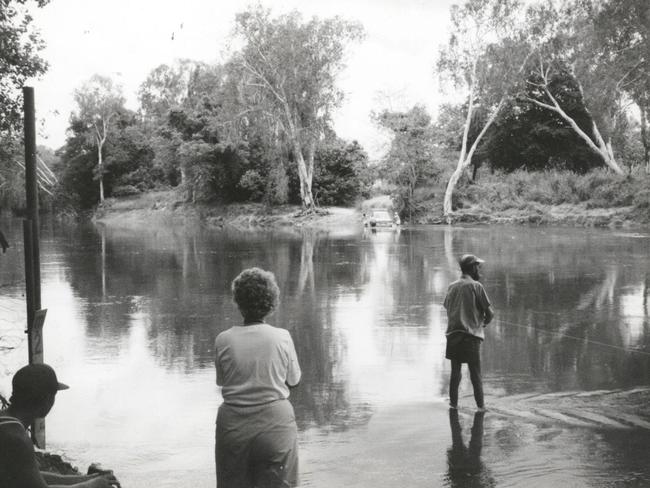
(646, 294)
(565, 282)
(307, 310)
(306, 279)
(175, 282)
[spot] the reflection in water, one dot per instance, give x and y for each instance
(133, 313)
(465, 467)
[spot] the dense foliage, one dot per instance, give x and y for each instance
(20, 44)
(551, 89)
(211, 131)
(531, 192)
(342, 174)
(410, 163)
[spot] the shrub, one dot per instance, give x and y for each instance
(641, 200)
(125, 191)
(277, 186)
(597, 189)
(252, 184)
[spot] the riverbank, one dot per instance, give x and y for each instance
(167, 205)
(532, 213)
(595, 199)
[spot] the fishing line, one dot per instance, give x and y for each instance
(598, 343)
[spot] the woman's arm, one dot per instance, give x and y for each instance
(64, 479)
(55, 480)
(293, 368)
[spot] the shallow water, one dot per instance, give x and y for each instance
(133, 313)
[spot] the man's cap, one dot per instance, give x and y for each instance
(35, 379)
(467, 260)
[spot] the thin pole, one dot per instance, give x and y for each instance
(32, 250)
(29, 284)
(31, 187)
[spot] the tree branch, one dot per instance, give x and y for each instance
(619, 83)
(262, 78)
(541, 104)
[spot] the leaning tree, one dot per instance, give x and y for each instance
(603, 47)
(484, 57)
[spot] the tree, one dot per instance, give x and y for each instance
(566, 45)
(484, 56)
(77, 172)
(184, 103)
(167, 87)
(99, 101)
(408, 162)
(622, 28)
(288, 69)
(129, 157)
(449, 128)
(19, 59)
(528, 137)
(20, 44)
(340, 176)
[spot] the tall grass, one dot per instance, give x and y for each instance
(521, 189)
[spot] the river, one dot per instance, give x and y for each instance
(133, 314)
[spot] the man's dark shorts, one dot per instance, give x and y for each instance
(464, 348)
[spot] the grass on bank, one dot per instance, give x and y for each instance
(534, 191)
(599, 197)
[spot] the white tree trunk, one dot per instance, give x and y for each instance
(309, 169)
(100, 168)
(464, 160)
(644, 140)
(603, 149)
(305, 180)
(305, 169)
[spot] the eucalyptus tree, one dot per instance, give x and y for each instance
(569, 42)
(408, 162)
(484, 57)
(287, 71)
(622, 30)
(99, 100)
(166, 87)
(176, 102)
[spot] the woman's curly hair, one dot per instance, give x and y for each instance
(256, 293)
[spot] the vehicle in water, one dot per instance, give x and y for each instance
(381, 217)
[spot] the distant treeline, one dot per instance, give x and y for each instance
(563, 88)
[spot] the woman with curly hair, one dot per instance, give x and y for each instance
(257, 365)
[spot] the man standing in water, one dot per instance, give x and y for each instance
(468, 312)
(34, 389)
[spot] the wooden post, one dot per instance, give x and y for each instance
(31, 187)
(35, 316)
(29, 283)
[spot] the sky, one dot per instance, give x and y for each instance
(392, 68)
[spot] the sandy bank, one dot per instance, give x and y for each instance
(166, 206)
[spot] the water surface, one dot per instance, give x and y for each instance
(133, 313)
